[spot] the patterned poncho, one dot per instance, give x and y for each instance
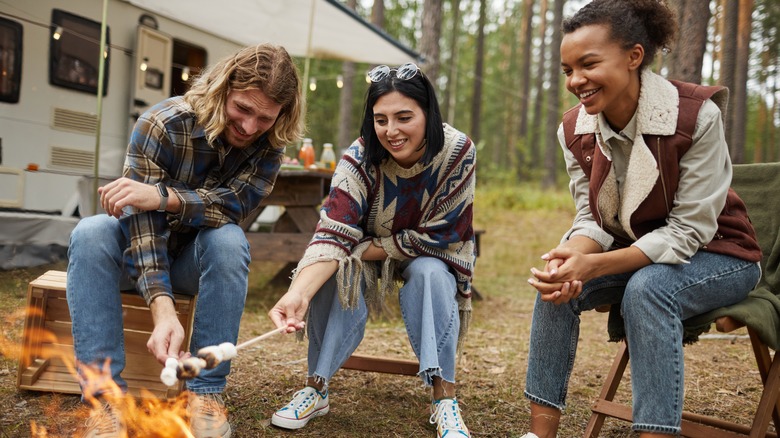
(425, 210)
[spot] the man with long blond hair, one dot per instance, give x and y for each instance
(196, 166)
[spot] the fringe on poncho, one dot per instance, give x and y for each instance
(425, 210)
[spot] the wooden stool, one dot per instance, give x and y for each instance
(48, 358)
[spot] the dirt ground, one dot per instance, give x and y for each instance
(721, 378)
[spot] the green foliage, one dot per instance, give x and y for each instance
(502, 193)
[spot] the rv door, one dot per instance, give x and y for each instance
(153, 57)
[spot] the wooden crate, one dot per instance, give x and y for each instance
(46, 362)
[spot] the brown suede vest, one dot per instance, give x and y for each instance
(735, 236)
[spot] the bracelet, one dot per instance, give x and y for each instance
(163, 196)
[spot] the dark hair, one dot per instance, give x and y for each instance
(649, 23)
(418, 88)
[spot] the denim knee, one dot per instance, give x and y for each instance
(226, 246)
(93, 232)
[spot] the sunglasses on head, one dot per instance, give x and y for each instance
(404, 72)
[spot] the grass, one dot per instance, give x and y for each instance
(521, 225)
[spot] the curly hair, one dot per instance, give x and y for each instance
(264, 67)
(649, 23)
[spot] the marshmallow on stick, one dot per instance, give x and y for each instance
(208, 358)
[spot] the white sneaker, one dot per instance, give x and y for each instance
(529, 435)
(446, 417)
(306, 404)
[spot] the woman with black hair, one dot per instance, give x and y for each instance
(659, 236)
(399, 211)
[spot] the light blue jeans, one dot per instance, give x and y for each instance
(215, 266)
(429, 310)
(654, 301)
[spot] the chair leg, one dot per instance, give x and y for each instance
(608, 390)
(769, 405)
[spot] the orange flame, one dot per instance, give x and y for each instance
(147, 416)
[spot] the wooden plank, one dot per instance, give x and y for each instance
(382, 365)
(283, 247)
(33, 372)
(305, 218)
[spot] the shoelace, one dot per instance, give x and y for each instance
(447, 414)
(208, 406)
(105, 422)
(302, 403)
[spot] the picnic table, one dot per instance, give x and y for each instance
(300, 192)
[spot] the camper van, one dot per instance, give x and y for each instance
(49, 124)
(65, 121)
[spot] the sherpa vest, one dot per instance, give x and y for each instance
(735, 235)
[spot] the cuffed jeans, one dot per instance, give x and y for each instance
(215, 266)
(429, 309)
(654, 302)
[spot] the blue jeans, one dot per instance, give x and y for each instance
(215, 266)
(654, 302)
(429, 310)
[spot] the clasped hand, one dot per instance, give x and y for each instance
(563, 276)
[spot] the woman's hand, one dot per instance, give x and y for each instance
(563, 276)
(289, 312)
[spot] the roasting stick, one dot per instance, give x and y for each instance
(208, 358)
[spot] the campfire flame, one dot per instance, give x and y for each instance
(145, 416)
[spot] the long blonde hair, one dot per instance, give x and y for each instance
(264, 67)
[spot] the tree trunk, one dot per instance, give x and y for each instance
(346, 132)
(737, 139)
(688, 56)
(729, 59)
(378, 14)
(479, 68)
(429, 42)
(535, 143)
(451, 92)
(553, 100)
(526, 37)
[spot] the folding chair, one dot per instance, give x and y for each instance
(759, 186)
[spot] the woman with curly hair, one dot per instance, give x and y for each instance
(659, 236)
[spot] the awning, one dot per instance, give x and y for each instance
(306, 28)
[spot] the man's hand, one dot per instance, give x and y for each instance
(124, 192)
(168, 334)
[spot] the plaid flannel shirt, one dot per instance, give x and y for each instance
(216, 184)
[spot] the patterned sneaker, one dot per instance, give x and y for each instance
(446, 417)
(104, 422)
(207, 416)
(305, 405)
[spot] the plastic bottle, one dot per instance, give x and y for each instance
(328, 157)
(306, 155)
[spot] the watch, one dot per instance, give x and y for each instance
(163, 196)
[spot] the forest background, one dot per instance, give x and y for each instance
(496, 65)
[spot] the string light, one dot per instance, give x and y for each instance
(185, 74)
(57, 33)
(340, 81)
(312, 84)
(144, 64)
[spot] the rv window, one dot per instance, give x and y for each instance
(10, 60)
(74, 52)
(188, 61)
